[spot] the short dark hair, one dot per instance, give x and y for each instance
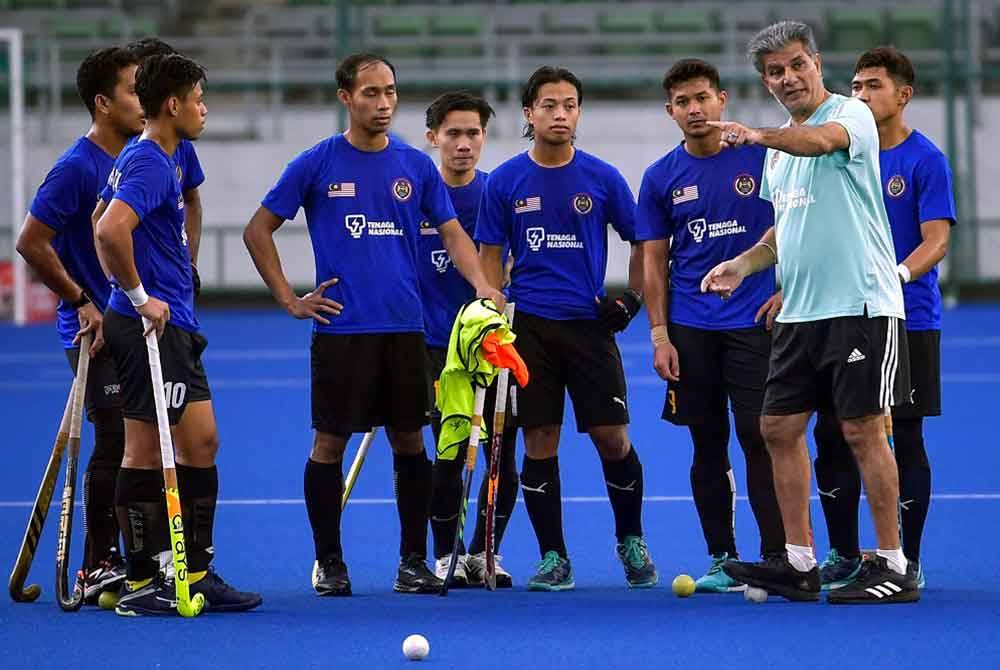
(347, 71)
(160, 77)
(458, 101)
(547, 74)
(687, 69)
(149, 46)
(895, 62)
(98, 74)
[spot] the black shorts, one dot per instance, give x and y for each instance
(851, 366)
(184, 379)
(103, 390)
(364, 380)
(717, 367)
(925, 375)
(577, 355)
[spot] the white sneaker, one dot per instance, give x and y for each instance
(475, 568)
(460, 578)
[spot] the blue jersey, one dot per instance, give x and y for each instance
(64, 202)
(364, 210)
(709, 210)
(443, 289)
(916, 187)
(555, 221)
(146, 179)
(186, 163)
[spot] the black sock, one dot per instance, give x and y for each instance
(142, 514)
(914, 482)
(506, 495)
(412, 474)
(760, 484)
(323, 484)
(446, 501)
(712, 484)
(623, 480)
(199, 492)
(99, 483)
(839, 484)
(543, 498)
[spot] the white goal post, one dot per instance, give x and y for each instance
(12, 40)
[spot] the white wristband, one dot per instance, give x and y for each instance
(904, 272)
(137, 295)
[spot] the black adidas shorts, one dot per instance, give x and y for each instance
(184, 379)
(364, 380)
(925, 375)
(852, 366)
(576, 355)
(717, 367)
(103, 389)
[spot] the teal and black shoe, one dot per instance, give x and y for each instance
(640, 573)
(838, 571)
(717, 581)
(554, 574)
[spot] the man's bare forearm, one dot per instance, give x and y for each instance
(259, 239)
(804, 140)
(192, 222)
(655, 256)
(35, 246)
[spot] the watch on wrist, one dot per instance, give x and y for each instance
(84, 299)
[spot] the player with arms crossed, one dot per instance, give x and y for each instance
(57, 241)
(142, 242)
(698, 206)
(552, 205)
(365, 194)
(918, 195)
(456, 126)
(839, 344)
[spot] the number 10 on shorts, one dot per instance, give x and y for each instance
(174, 393)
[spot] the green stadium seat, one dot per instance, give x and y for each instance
(461, 25)
(916, 28)
(116, 27)
(686, 33)
(564, 24)
(76, 28)
(394, 25)
(854, 29)
(624, 23)
(39, 4)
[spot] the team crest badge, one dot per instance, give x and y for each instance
(582, 203)
(744, 185)
(402, 189)
(896, 186)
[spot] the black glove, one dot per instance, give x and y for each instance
(616, 313)
(196, 280)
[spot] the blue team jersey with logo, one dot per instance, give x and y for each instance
(64, 203)
(188, 168)
(443, 288)
(555, 222)
(146, 179)
(917, 187)
(709, 210)
(364, 211)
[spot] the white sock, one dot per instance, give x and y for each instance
(802, 558)
(895, 559)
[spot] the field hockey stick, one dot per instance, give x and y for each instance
(496, 447)
(470, 466)
(71, 602)
(359, 460)
(186, 605)
(33, 531)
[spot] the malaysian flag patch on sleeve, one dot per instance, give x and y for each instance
(341, 190)
(686, 194)
(525, 205)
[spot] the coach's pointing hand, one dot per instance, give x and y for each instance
(735, 134)
(313, 305)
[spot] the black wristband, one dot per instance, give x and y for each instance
(83, 300)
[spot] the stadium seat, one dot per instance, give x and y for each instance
(854, 29)
(915, 27)
(39, 4)
(689, 32)
(564, 23)
(623, 22)
(76, 28)
(458, 25)
(395, 25)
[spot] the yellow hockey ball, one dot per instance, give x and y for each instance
(683, 586)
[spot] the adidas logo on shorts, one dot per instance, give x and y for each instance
(855, 357)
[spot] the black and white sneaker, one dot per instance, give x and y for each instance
(875, 584)
(221, 597)
(157, 598)
(776, 575)
(329, 577)
(108, 575)
(414, 576)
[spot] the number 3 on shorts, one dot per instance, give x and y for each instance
(174, 393)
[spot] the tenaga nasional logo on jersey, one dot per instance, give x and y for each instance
(355, 225)
(697, 229)
(440, 259)
(896, 186)
(583, 203)
(535, 237)
(358, 224)
(744, 185)
(402, 189)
